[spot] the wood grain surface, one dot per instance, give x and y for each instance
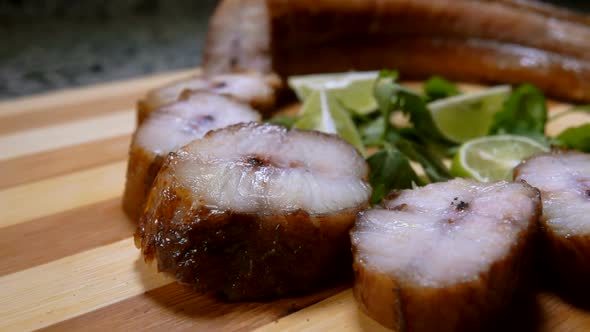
(67, 258)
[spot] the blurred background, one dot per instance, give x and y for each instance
(54, 44)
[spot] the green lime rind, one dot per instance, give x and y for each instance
(354, 90)
(468, 116)
(493, 158)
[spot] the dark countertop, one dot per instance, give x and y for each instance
(55, 44)
(49, 45)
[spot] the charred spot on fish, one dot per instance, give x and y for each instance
(401, 207)
(233, 61)
(205, 119)
(462, 206)
(219, 85)
(256, 161)
(450, 221)
(197, 123)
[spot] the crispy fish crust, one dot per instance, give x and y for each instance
(564, 181)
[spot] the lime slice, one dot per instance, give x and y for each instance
(321, 111)
(464, 117)
(354, 90)
(493, 158)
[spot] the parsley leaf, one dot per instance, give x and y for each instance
(576, 138)
(524, 113)
(371, 131)
(395, 97)
(437, 87)
(422, 153)
(390, 166)
(390, 169)
(283, 120)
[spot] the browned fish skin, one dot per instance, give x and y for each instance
(465, 307)
(466, 60)
(568, 261)
(547, 9)
(353, 32)
(564, 256)
(244, 255)
(142, 169)
(403, 303)
(354, 21)
(238, 38)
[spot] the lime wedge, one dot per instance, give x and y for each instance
(464, 117)
(492, 158)
(321, 111)
(354, 90)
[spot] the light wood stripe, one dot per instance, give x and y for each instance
(29, 201)
(74, 285)
(177, 308)
(58, 162)
(557, 315)
(63, 234)
(560, 124)
(96, 93)
(337, 313)
(24, 121)
(68, 134)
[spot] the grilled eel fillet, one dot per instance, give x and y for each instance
(483, 41)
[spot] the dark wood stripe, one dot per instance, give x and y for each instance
(65, 160)
(31, 120)
(179, 308)
(49, 238)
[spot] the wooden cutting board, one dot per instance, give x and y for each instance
(67, 258)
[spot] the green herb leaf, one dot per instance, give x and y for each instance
(389, 73)
(414, 105)
(437, 87)
(524, 113)
(371, 131)
(393, 97)
(383, 89)
(282, 120)
(431, 162)
(576, 138)
(390, 169)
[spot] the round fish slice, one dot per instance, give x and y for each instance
(256, 211)
(444, 257)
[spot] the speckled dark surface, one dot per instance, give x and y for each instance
(53, 44)
(49, 45)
